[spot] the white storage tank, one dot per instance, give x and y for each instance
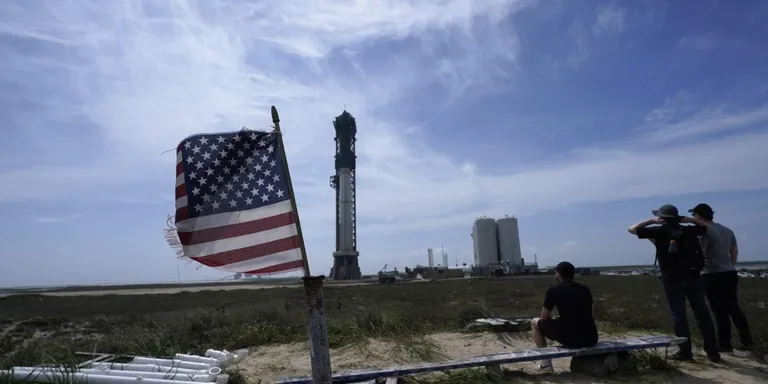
(509, 241)
(485, 243)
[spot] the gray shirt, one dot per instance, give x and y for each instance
(717, 243)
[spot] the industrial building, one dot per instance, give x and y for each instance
(497, 248)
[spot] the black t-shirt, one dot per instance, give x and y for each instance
(670, 265)
(574, 304)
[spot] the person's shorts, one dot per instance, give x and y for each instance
(551, 329)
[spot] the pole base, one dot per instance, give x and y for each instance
(345, 266)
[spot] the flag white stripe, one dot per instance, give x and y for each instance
(178, 157)
(263, 262)
(235, 243)
(229, 218)
(179, 179)
(181, 202)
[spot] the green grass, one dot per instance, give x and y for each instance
(36, 329)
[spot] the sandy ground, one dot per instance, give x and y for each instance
(267, 363)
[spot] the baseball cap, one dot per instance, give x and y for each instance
(702, 209)
(666, 211)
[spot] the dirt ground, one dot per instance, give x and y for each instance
(269, 362)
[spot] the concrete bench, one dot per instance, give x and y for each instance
(493, 362)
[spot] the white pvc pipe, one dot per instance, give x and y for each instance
(197, 359)
(224, 356)
(49, 376)
(199, 376)
(208, 375)
(240, 355)
(143, 367)
(227, 357)
(170, 363)
(222, 379)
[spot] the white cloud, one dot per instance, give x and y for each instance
(55, 219)
(148, 74)
(705, 42)
(610, 19)
(679, 103)
(701, 123)
(596, 176)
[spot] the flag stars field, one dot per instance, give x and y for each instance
(232, 209)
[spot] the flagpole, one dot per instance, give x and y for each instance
(276, 122)
(319, 350)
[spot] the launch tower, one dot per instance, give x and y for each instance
(345, 265)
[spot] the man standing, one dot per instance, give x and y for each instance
(575, 327)
(680, 262)
(721, 280)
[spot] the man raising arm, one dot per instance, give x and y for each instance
(679, 256)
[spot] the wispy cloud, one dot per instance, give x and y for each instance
(610, 19)
(55, 219)
(681, 118)
(680, 103)
(146, 74)
(136, 77)
(585, 34)
(704, 42)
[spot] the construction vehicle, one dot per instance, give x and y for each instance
(387, 277)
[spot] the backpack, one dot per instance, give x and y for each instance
(685, 248)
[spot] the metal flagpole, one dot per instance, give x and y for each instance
(319, 350)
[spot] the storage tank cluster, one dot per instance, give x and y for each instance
(496, 241)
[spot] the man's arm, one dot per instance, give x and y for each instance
(549, 304)
(693, 220)
(639, 226)
(734, 250)
(642, 231)
(699, 227)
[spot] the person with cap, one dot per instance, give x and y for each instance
(575, 327)
(721, 280)
(676, 249)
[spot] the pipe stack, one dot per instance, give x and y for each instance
(182, 369)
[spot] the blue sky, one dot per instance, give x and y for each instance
(577, 117)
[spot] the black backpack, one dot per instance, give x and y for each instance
(685, 249)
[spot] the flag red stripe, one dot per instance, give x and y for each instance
(182, 214)
(179, 168)
(181, 191)
(234, 230)
(249, 253)
(284, 267)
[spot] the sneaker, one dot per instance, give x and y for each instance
(546, 366)
(680, 356)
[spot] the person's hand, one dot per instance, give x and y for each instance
(686, 219)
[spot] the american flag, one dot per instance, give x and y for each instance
(233, 209)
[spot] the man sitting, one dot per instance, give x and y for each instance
(575, 328)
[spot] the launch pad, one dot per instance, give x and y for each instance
(345, 264)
